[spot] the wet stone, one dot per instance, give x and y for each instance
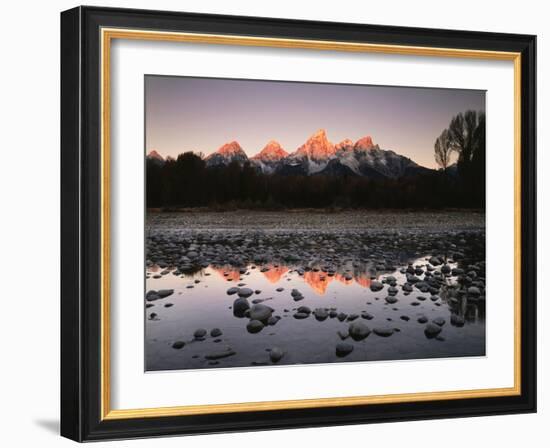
(260, 312)
(199, 333)
(276, 354)
(220, 355)
(215, 332)
(343, 349)
(376, 286)
(422, 320)
(432, 330)
(383, 331)
(358, 331)
(439, 321)
(245, 292)
(254, 326)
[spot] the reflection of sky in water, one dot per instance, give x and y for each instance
(200, 300)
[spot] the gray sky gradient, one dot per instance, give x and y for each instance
(201, 114)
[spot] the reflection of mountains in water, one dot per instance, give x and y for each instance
(318, 281)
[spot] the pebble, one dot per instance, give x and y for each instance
(260, 312)
(432, 330)
(383, 331)
(276, 354)
(199, 333)
(220, 355)
(358, 330)
(376, 286)
(343, 349)
(245, 292)
(254, 326)
(240, 306)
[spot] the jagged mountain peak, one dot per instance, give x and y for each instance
(153, 154)
(230, 148)
(345, 145)
(317, 147)
(227, 153)
(365, 143)
(271, 152)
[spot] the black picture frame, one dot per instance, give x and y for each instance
(81, 224)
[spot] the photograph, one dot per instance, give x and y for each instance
(311, 223)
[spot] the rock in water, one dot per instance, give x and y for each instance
(260, 312)
(165, 292)
(391, 299)
(151, 296)
(432, 330)
(245, 292)
(232, 290)
(220, 355)
(439, 321)
(178, 344)
(321, 313)
(358, 331)
(383, 331)
(276, 354)
(376, 286)
(215, 332)
(254, 326)
(304, 309)
(343, 349)
(200, 333)
(240, 306)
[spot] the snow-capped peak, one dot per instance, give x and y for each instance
(229, 149)
(272, 152)
(365, 143)
(317, 147)
(345, 145)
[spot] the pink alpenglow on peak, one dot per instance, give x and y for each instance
(317, 147)
(230, 148)
(272, 152)
(155, 155)
(230, 152)
(344, 145)
(365, 144)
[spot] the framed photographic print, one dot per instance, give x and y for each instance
(274, 223)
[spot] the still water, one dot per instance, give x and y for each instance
(200, 301)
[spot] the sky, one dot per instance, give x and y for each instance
(201, 114)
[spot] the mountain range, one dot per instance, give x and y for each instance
(318, 156)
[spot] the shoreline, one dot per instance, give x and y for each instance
(331, 210)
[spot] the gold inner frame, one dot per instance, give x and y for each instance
(107, 35)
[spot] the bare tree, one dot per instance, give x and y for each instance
(443, 149)
(463, 133)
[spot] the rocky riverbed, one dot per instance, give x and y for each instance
(272, 288)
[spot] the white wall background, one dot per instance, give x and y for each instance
(29, 229)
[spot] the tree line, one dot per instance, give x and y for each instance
(188, 182)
